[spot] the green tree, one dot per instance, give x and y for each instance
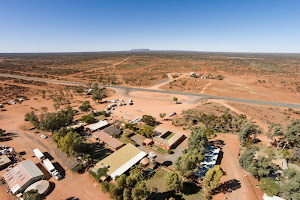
(269, 186)
(162, 115)
(32, 195)
(292, 133)
(198, 138)
(290, 187)
(89, 119)
(98, 95)
(173, 181)
(146, 131)
(140, 191)
(212, 178)
(149, 120)
(68, 141)
(32, 117)
(175, 99)
(247, 158)
(86, 106)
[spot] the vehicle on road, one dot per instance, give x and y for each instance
(51, 169)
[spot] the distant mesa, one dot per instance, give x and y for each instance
(140, 49)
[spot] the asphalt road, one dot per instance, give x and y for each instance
(129, 89)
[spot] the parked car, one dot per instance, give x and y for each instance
(43, 136)
(172, 114)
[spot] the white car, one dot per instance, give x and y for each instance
(43, 136)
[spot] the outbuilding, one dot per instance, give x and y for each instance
(22, 176)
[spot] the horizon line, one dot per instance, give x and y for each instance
(134, 50)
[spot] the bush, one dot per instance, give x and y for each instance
(86, 106)
(149, 120)
(79, 169)
(101, 172)
(89, 119)
(269, 186)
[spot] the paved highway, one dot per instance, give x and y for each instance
(252, 101)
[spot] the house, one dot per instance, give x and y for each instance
(4, 161)
(22, 176)
(110, 141)
(208, 162)
(120, 161)
(96, 126)
(112, 131)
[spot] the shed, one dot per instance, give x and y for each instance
(145, 162)
(148, 141)
(113, 143)
(97, 126)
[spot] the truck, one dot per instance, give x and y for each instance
(38, 154)
(51, 169)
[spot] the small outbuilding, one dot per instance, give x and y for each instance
(112, 131)
(97, 126)
(148, 141)
(145, 162)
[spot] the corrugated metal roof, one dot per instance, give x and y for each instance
(121, 160)
(95, 126)
(113, 142)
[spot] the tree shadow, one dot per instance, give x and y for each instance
(167, 163)
(227, 187)
(164, 195)
(72, 198)
(190, 188)
(8, 136)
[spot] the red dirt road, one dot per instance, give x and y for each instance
(234, 172)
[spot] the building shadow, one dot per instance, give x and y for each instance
(72, 198)
(227, 187)
(47, 155)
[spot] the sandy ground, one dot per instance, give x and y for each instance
(73, 185)
(234, 173)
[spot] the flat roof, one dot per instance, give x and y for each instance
(21, 174)
(209, 161)
(121, 160)
(97, 125)
(111, 141)
(4, 159)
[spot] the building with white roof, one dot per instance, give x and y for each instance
(22, 176)
(97, 126)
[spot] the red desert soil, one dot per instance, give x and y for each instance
(234, 172)
(73, 185)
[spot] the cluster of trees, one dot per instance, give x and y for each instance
(193, 155)
(51, 121)
(288, 137)
(146, 131)
(128, 187)
(149, 120)
(260, 167)
(288, 185)
(226, 123)
(173, 181)
(85, 106)
(98, 94)
(89, 119)
(68, 141)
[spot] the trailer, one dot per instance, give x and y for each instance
(51, 169)
(38, 154)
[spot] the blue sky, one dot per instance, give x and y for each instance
(201, 25)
